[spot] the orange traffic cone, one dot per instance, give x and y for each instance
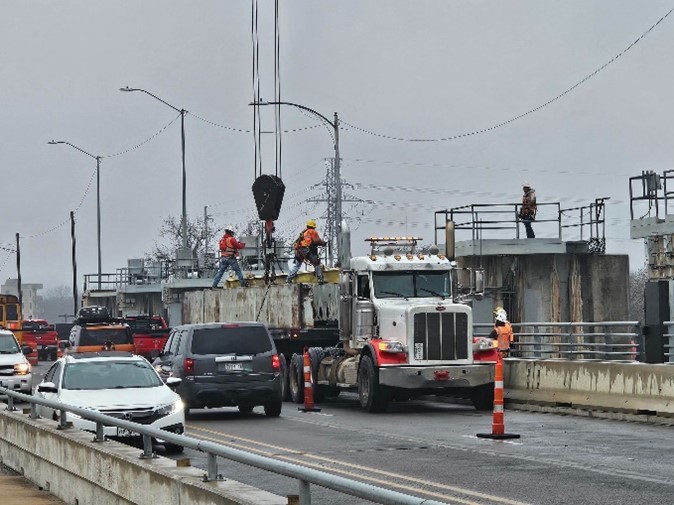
(309, 405)
(29, 340)
(498, 420)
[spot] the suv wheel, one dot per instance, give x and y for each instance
(245, 409)
(273, 409)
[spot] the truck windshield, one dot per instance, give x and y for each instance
(420, 284)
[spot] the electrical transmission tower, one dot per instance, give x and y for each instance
(331, 214)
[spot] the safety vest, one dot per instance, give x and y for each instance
(309, 236)
(504, 335)
(228, 246)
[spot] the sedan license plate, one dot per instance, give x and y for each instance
(123, 432)
(231, 367)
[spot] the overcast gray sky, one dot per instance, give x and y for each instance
(421, 69)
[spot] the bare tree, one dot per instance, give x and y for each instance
(638, 281)
(199, 237)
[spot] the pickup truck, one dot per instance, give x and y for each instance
(149, 333)
(45, 335)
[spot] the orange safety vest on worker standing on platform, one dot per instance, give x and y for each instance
(229, 246)
(309, 236)
(504, 335)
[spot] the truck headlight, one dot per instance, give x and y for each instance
(171, 408)
(481, 344)
(391, 346)
(22, 369)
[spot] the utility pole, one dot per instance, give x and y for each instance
(74, 260)
(18, 271)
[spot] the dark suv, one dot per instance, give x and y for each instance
(224, 364)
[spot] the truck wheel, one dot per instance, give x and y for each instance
(296, 378)
(373, 396)
(273, 409)
(316, 355)
(483, 397)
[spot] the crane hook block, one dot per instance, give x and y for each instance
(268, 192)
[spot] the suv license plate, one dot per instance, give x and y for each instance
(232, 366)
(123, 432)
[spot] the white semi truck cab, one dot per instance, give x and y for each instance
(405, 329)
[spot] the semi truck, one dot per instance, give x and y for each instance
(390, 325)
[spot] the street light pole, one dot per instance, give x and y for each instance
(338, 190)
(98, 201)
(183, 219)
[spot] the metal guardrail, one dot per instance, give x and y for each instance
(669, 341)
(305, 476)
(605, 341)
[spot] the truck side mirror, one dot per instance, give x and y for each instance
(64, 344)
(479, 282)
(26, 350)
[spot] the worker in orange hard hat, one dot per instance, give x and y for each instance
(306, 250)
(503, 331)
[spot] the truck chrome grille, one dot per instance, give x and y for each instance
(440, 336)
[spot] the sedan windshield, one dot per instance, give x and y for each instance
(110, 375)
(8, 345)
(414, 284)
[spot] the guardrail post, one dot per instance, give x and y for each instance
(63, 421)
(33, 411)
(99, 437)
(305, 492)
(10, 403)
(212, 469)
(147, 448)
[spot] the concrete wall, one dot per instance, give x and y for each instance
(76, 470)
(554, 287)
(629, 387)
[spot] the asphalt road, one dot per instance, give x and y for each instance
(430, 450)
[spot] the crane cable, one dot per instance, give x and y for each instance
(256, 89)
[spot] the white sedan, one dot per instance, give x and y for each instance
(118, 384)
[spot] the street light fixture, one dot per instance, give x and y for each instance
(98, 199)
(338, 187)
(182, 145)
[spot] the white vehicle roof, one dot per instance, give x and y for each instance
(401, 261)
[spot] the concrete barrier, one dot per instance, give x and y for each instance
(78, 471)
(634, 388)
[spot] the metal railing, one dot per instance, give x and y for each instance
(498, 220)
(669, 341)
(305, 476)
(604, 341)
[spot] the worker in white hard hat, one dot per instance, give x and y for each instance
(229, 250)
(306, 250)
(503, 331)
(527, 212)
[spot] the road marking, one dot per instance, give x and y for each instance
(354, 466)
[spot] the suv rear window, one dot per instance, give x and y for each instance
(100, 336)
(231, 340)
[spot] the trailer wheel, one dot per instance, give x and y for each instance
(483, 397)
(316, 355)
(373, 396)
(296, 378)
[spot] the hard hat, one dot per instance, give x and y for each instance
(501, 316)
(230, 229)
(526, 185)
(498, 309)
(311, 223)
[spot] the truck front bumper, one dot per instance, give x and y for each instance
(436, 377)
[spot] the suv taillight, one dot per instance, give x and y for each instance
(276, 363)
(188, 366)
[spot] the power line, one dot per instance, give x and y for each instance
(520, 116)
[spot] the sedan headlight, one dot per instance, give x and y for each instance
(391, 346)
(171, 408)
(22, 369)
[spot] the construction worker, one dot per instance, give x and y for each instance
(306, 249)
(527, 212)
(229, 250)
(502, 332)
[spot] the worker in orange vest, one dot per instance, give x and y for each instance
(229, 250)
(306, 249)
(503, 331)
